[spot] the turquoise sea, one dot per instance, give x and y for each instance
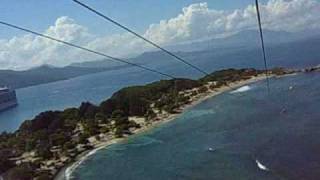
(253, 135)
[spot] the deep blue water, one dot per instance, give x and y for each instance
(62, 94)
(281, 130)
(70, 93)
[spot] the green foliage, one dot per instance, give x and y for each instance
(150, 114)
(44, 176)
(58, 139)
(91, 128)
(105, 129)
(100, 117)
(133, 124)
(71, 117)
(68, 145)
(183, 99)
(282, 71)
(83, 138)
(117, 114)
(119, 132)
(194, 93)
(5, 164)
(171, 101)
(88, 110)
(203, 89)
(97, 137)
(23, 172)
(218, 84)
(136, 100)
(230, 75)
(170, 108)
(44, 152)
(120, 118)
(30, 144)
(107, 107)
(49, 120)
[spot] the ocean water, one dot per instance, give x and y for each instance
(253, 135)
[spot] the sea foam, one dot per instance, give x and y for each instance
(241, 89)
(69, 170)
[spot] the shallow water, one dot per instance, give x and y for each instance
(280, 131)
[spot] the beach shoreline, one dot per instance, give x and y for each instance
(66, 171)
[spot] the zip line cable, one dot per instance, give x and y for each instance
(85, 49)
(172, 54)
(262, 45)
(140, 36)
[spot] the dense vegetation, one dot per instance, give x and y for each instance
(66, 130)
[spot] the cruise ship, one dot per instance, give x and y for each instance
(8, 98)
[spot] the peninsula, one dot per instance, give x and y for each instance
(41, 147)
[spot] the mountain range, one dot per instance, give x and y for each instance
(239, 51)
(41, 75)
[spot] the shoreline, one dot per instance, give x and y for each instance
(65, 172)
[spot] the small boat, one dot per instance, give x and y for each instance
(291, 87)
(283, 111)
(211, 149)
(261, 166)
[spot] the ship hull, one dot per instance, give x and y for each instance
(8, 99)
(8, 105)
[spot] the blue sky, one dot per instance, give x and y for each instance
(66, 20)
(138, 14)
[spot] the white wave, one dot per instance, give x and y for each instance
(146, 141)
(241, 89)
(261, 166)
(68, 172)
(198, 113)
(55, 92)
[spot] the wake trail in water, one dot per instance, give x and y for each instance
(146, 141)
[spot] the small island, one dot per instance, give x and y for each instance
(41, 147)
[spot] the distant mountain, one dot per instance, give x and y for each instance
(239, 51)
(41, 75)
(104, 63)
(237, 47)
(290, 52)
(249, 38)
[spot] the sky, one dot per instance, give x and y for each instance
(138, 14)
(166, 22)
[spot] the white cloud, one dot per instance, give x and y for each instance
(198, 21)
(28, 51)
(195, 22)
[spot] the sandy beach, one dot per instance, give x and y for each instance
(66, 172)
